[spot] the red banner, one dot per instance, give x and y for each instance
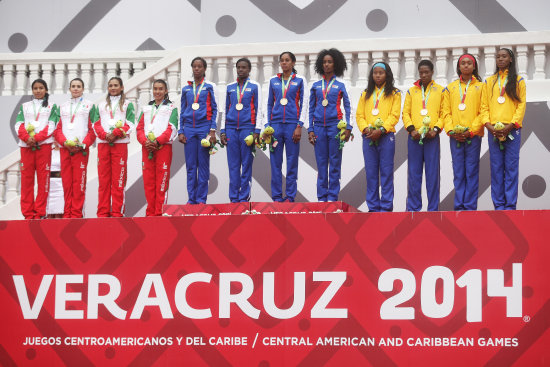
(343, 289)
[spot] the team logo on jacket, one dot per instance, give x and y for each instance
(82, 165)
(121, 162)
(294, 83)
(164, 166)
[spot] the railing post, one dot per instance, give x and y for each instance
(300, 64)
(222, 71)
(522, 57)
(111, 70)
(268, 69)
(173, 78)
(540, 61)
(255, 73)
(457, 52)
(98, 77)
(124, 70)
(48, 74)
(20, 78)
(8, 79)
(72, 72)
(60, 79)
(86, 75)
(34, 71)
(489, 60)
(393, 61)
(362, 69)
(3, 186)
(410, 67)
(441, 66)
(349, 63)
(144, 95)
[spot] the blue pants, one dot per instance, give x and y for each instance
(505, 171)
(239, 161)
(283, 133)
(329, 162)
(379, 172)
(197, 161)
(466, 173)
(426, 155)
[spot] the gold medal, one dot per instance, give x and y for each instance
(462, 106)
(239, 106)
(325, 102)
(424, 111)
(283, 101)
(195, 106)
(375, 111)
(501, 99)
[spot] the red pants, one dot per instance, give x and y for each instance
(35, 161)
(73, 175)
(156, 177)
(112, 172)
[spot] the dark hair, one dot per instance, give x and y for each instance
(388, 89)
(244, 59)
(76, 80)
(122, 95)
(47, 95)
(340, 64)
(292, 57)
(201, 60)
(476, 70)
(166, 98)
(511, 84)
(427, 63)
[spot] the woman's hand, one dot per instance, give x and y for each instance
(347, 134)
(212, 135)
(374, 134)
(182, 139)
(415, 135)
(223, 139)
(297, 134)
(312, 138)
(256, 138)
(430, 134)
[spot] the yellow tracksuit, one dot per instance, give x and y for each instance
(475, 114)
(413, 105)
(510, 111)
(389, 110)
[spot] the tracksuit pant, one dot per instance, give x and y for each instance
(379, 172)
(466, 173)
(112, 172)
(283, 133)
(197, 162)
(422, 157)
(329, 161)
(73, 175)
(505, 171)
(156, 178)
(239, 161)
(38, 161)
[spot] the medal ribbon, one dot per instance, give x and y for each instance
(503, 88)
(463, 96)
(153, 115)
(425, 98)
(239, 93)
(75, 110)
(325, 91)
(377, 100)
(284, 88)
(196, 95)
(36, 116)
(111, 109)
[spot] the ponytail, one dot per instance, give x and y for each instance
(45, 101)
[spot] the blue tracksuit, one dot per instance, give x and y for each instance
(237, 125)
(195, 125)
(505, 171)
(284, 119)
(323, 121)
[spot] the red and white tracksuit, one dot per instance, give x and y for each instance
(38, 160)
(156, 171)
(112, 158)
(74, 167)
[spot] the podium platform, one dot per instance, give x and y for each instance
(258, 208)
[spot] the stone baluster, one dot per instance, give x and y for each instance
(173, 73)
(13, 181)
(457, 52)
(34, 73)
(222, 71)
(393, 61)
(268, 69)
(300, 65)
(124, 70)
(9, 71)
(60, 87)
(490, 62)
(522, 59)
(86, 75)
(363, 68)
(3, 186)
(138, 67)
(112, 70)
(188, 74)
(410, 67)
(144, 93)
(20, 79)
(72, 72)
(540, 61)
(48, 74)
(311, 68)
(441, 66)
(349, 62)
(255, 72)
(99, 76)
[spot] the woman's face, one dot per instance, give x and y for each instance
(159, 91)
(39, 90)
(242, 70)
(286, 63)
(379, 75)
(76, 88)
(198, 69)
(466, 66)
(328, 65)
(425, 74)
(503, 59)
(114, 87)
